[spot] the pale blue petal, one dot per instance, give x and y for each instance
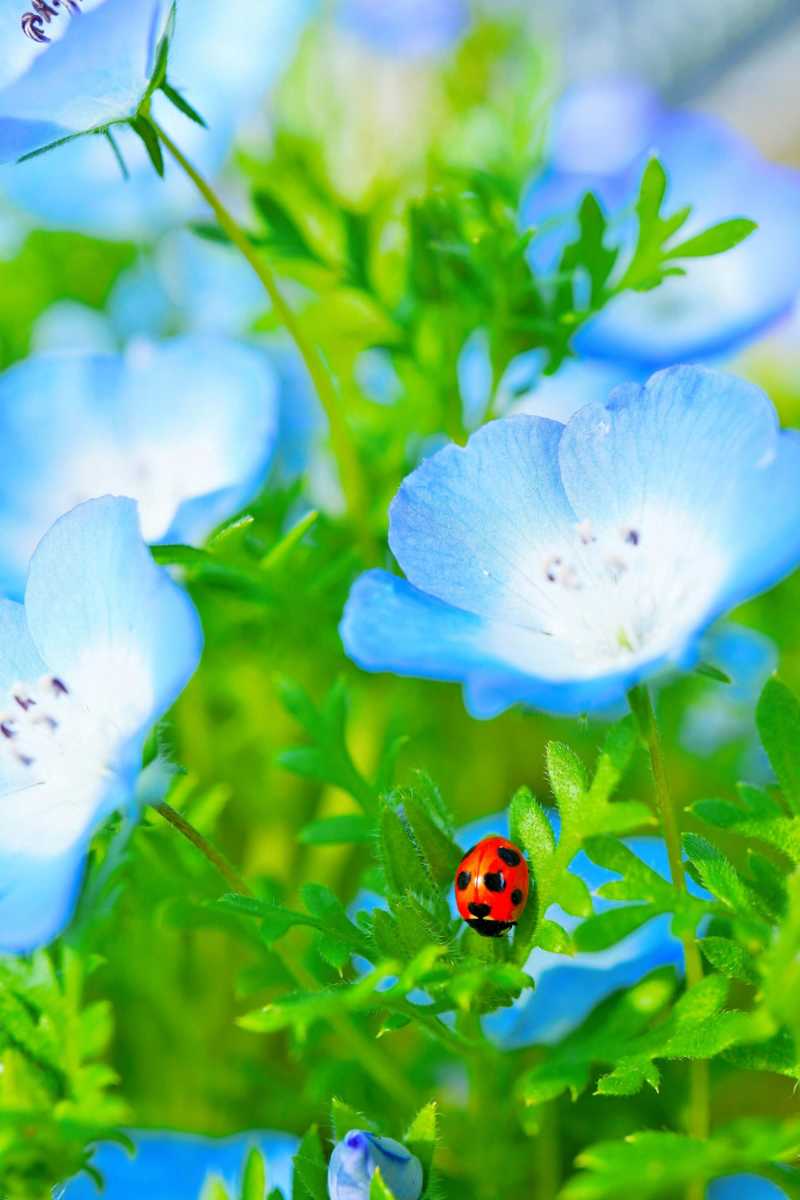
(97, 72)
(19, 658)
(186, 427)
(37, 894)
(405, 28)
(525, 389)
(474, 526)
(106, 619)
(175, 1166)
(388, 625)
(697, 447)
(249, 46)
(475, 378)
(725, 713)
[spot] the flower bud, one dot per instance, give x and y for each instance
(357, 1157)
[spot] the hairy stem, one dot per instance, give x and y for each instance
(350, 471)
(698, 1119)
(364, 1049)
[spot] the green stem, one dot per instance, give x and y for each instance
(350, 471)
(698, 1119)
(365, 1051)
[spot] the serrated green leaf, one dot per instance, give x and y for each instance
(568, 779)
(344, 1119)
(310, 1178)
(718, 874)
(439, 851)
(404, 869)
(729, 958)
(421, 1136)
(531, 829)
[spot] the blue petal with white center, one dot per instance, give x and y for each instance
(359, 1155)
(176, 1166)
(96, 73)
(558, 565)
(724, 301)
(249, 44)
(102, 647)
(187, 427)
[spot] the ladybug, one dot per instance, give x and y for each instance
(492, 886)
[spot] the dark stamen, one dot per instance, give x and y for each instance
(25, 702)
(6, 730)
(632, 537)
(60, 688)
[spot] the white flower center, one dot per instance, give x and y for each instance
(58, 760)
(630, 592)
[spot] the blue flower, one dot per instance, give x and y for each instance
(406, 28)
(175, 1166)
(744, 1187)
(602, 135)
(101, 648)
(249, 44)
(186, 427)
(95, 74)
(558, 565)
(359, 1155)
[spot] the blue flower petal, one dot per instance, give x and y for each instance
(694, 461)
(38, 893)
(19, 658)
(744, 1187)
(187, 427)
(175, 1166)
(96, 73)
(406, 28)
(249, 45)
(473, 526)
(107, 619)
(359, 1155)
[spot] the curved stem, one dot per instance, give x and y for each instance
(698, 1120)
(364, 1049)
(350, 471)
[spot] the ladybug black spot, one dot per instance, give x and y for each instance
(495, 881)
(509, 857)
(489, 928)
(516, 896)
(479, 910)
(463, 880)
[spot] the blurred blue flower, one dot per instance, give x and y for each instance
(357, 1157)
(101, 648)
(558, 565)
(602, 135)
(744, 1187)
(95, 74)
(568, 988)
(249, 45)
(405, 28)
(724, 713)
(187, 427)
(175, 1166)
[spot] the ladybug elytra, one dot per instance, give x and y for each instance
(492, 886)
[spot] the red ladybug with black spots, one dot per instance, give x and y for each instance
(492, 886)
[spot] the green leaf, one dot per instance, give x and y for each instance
(718, 874)
(615, 759)
(531, 829)
(568, 779)
(150, 140)
(401, 861)
(286, 238)
(606, 929)
(421, 1136)
(439, 851)
(378, 1190)
(729, 958)
(181, 103)
(310, 1180)
(714, 240)
(778, 719)
(344, 1119)
(652, 190)
(254, 1178)
(712, 672)
(573, 895)
(341, 830)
